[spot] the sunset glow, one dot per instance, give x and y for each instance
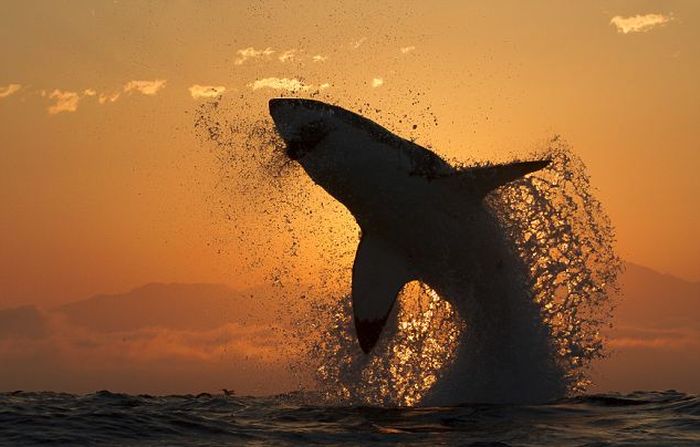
(111, 186)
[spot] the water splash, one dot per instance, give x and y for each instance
(565, 238)
(421, 340)
(555, 224)
(562, 235)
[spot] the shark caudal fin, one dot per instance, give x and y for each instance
(378, 275)
(481, 180)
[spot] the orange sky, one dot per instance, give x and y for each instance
(107, 196)
(106, 186)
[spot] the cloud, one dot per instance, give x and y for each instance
(146, 87)
(653, 338)
(377, 82)
(653, 343)
(319, 58)
(60, 355)
(89, 92)
(206, 91)
(158, 343)
(290, 84)
(639, 23)
(288, 55)
(252, 53)
(65, 101)
(406, 50)
(358, 43)
(9, 90)
(108, 97)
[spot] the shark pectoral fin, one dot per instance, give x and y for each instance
(484, 179)
(378, 275)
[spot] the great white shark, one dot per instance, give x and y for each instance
(420, 219)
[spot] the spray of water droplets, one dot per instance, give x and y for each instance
(556, 225)
(565, 238)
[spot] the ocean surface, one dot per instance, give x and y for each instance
(666, 418)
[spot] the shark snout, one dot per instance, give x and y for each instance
(287, 113)
(276, 106)
(300, 124)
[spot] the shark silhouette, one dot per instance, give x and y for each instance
(420, 218)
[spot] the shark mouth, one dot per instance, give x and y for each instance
(301, 124)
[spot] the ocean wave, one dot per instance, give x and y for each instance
(104, 418)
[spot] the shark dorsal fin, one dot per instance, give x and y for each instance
(378, 275)
(481, 180)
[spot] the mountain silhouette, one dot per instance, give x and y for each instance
(654, 341)
(656, 300)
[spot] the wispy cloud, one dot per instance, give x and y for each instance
(206, 91)
(89, 92)
(146, 87)
(287, 56)
(289, 84)
(234, 350)
(108, 97)
(252, 53)
(358, 43)
(639, 23)
(406, 50)
(293, 54)
(653, 338)
(9, 90)
(65, 101)
(377, 82)
(652, 343)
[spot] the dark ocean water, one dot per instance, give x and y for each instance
(640, 419)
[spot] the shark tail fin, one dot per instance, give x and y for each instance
(378, 275)
(484, 179)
